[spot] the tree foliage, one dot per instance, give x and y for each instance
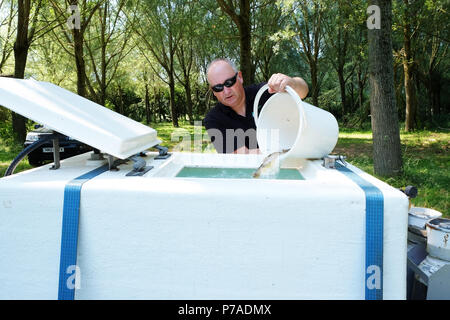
(158, 51)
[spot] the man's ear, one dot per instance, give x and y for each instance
(240, 78)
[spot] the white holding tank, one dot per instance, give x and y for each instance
(182, 230)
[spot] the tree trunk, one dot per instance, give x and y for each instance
(410, 93)
(170, 71)
(21, 46)
(360, 89)
(410, 96)
(435, 91)
(147, 105)
(79, 61)
(121, 108)
(18, 121)
(246, 52)
(386, 135)
(173, 109)
(342, 87)
(314, 84)
(187, 89)
(352, 95)
(310, 45)
(186, 66)
(20, 56)
(6, 49)
(243, 23)
(103, 42)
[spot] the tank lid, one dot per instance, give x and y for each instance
(77, 117)
(424, 213)
(441, 224)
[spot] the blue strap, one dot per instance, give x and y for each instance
(69, 236)
(374, 235)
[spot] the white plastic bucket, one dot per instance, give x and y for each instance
(287, 122)
(438, 232)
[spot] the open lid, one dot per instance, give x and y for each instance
(76, 117)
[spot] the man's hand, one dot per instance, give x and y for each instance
(279, 81)
(245, 150)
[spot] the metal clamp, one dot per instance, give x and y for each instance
(329, 161)
(56, 155)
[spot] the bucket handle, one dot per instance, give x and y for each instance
(255, 104)
(288, 89)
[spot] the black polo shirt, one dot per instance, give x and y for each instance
(241, 130)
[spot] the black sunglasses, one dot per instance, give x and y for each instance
(228, 83)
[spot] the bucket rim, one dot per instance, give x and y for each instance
(297, 101)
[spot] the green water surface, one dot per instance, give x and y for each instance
(235, 173)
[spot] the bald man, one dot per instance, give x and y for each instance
(230, 123)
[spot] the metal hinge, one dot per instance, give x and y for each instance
(139, 167)
(163, 152)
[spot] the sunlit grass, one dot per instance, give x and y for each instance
(184, 138)
(426, 163)
(8, 151)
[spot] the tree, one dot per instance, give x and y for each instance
(338, 37)
(106, 45)
(6, 46)
(385, 128)
(161, 29)
(74, 37)
(185, 54)
(421, 45)
(432, 44)
(267, 19)
(410, 10)
(21, 46)
(49, 61)
(361, 73)
(306, 34)
(240, 15)
(28, 30)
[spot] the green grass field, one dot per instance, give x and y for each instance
(425, 157)
(426, 163)
(8, 151)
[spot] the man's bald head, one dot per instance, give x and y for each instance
(219, 72)
(219, 65)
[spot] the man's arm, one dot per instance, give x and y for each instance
(279, 81)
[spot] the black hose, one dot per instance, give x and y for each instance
(28, 150)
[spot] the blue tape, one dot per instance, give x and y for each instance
(374, 235)
(69, 236)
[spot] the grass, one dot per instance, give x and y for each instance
(172, 137)
(426, 161)
(8, 151)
